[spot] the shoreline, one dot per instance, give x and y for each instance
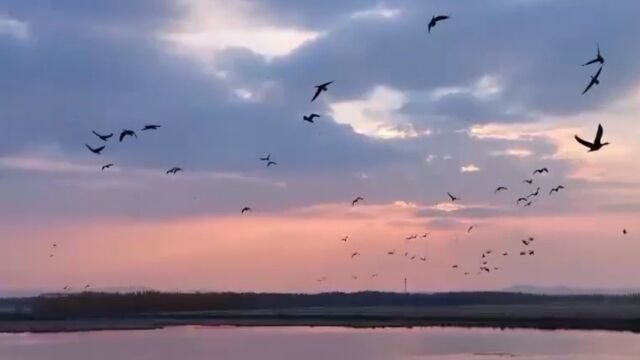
(147, 323)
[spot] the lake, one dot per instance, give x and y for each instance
(199, 343)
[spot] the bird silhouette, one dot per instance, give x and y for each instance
(528, 181)
(425, 234)
(525, 242)
(455, 266)
(87, 286)
(150, 127)
(521, 199)
(532, 252)
(435, 19)
(453, 198)
(106, 166)
(599, 59)
(541, 171)
(391, 252)
(500, 188)
(528, 204)
(174, 170)
(345, 238)
(423, 258)
(624, 231)
(470, 228)
(270, 163)
(505, 254)
(597, 143)
(414, 236)
(413, 257)
(355, 254)
(267, 158)
(556, 189)
(321, 88)
(373, 276)
(246, 209)
(96, 151)
(594, 81)
(126, 133)
(523, 253)
(102, 137)
(309, 118)
(535, 193)
(356, 200)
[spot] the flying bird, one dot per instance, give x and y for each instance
(423, 258)
(535, 193)
(150, 127)
(321, 88)
(106, 166)
(414, 236)
(96, 151)
(541, 171)
(594, 81)
(521, 199)
(245, 209)
(413, 257)
(505, 254)
(523, 253)
(531, 252)
(345, 238)
(355, 254)
(309, 118)
(174, 170)
(425, 234)
(525, 242)
(470, 228)
(624, 231)
(528, 204)
(599, 59)
(87, 286)
(126, 133)
(597, 143)
(373, 276)
(267, 158)
(391, 252)
(528, 181)
(453, 198)
(455, 266)
(271, 163)
(556, 189)
(356, 200)
(102, 137)
(435, 19)
(500, 188)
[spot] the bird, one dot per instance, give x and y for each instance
(488, 252)
(500, 188)
(485, 269)
(541, 171)
(523, 253)
(466, 273)
(470, 228)
(102, 137)
(126, 133)
(624, 231)
(310, 117)
(87, 286)
(505, 254)
(435, 19)
(391, 252)
(67, 287)
(425, 234)
(413, 257)
(106, 166)
(55, 245)
(150, 127)
(484, 256)
(531, 239)
(266, 158)
(405, 254)
(535, 193)
(532, 252)
(453, 198)
(356, 200)
(96, 151)
(423, 258)
(525, 242)
(599, 59)
(50, 255)
(528, 204)
(597, 143)
(594, 81)
(345, 238)
(355, 254)
(455, 266)
(414, 236)
(373, 276)
(320, 88)
(271, 163)
(245, 209)
(174, 170)
(521, 199)
(556, 189)
(528, 181)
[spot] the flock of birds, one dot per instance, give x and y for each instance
(484, 265)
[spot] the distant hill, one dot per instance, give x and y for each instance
(567, 290)
(19, 293)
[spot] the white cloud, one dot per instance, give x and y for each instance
(379, 12)
(376, 116)
(515, 152)
(212, 26)
(469, 168)
(17, 29)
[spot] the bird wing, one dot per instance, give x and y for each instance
(122, 135)
(589, 86)
(590, 62)
(583, 142)
(597, 75)
(318, 91)
(441, 17)
(599, 133)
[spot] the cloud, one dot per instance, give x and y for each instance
(18, 30)
(469, 168)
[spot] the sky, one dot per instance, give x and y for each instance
(482, 101)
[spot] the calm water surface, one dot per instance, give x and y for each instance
(196, 343)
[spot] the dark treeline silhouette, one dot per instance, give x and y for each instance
(90, 304)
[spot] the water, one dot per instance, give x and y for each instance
(198, 343)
